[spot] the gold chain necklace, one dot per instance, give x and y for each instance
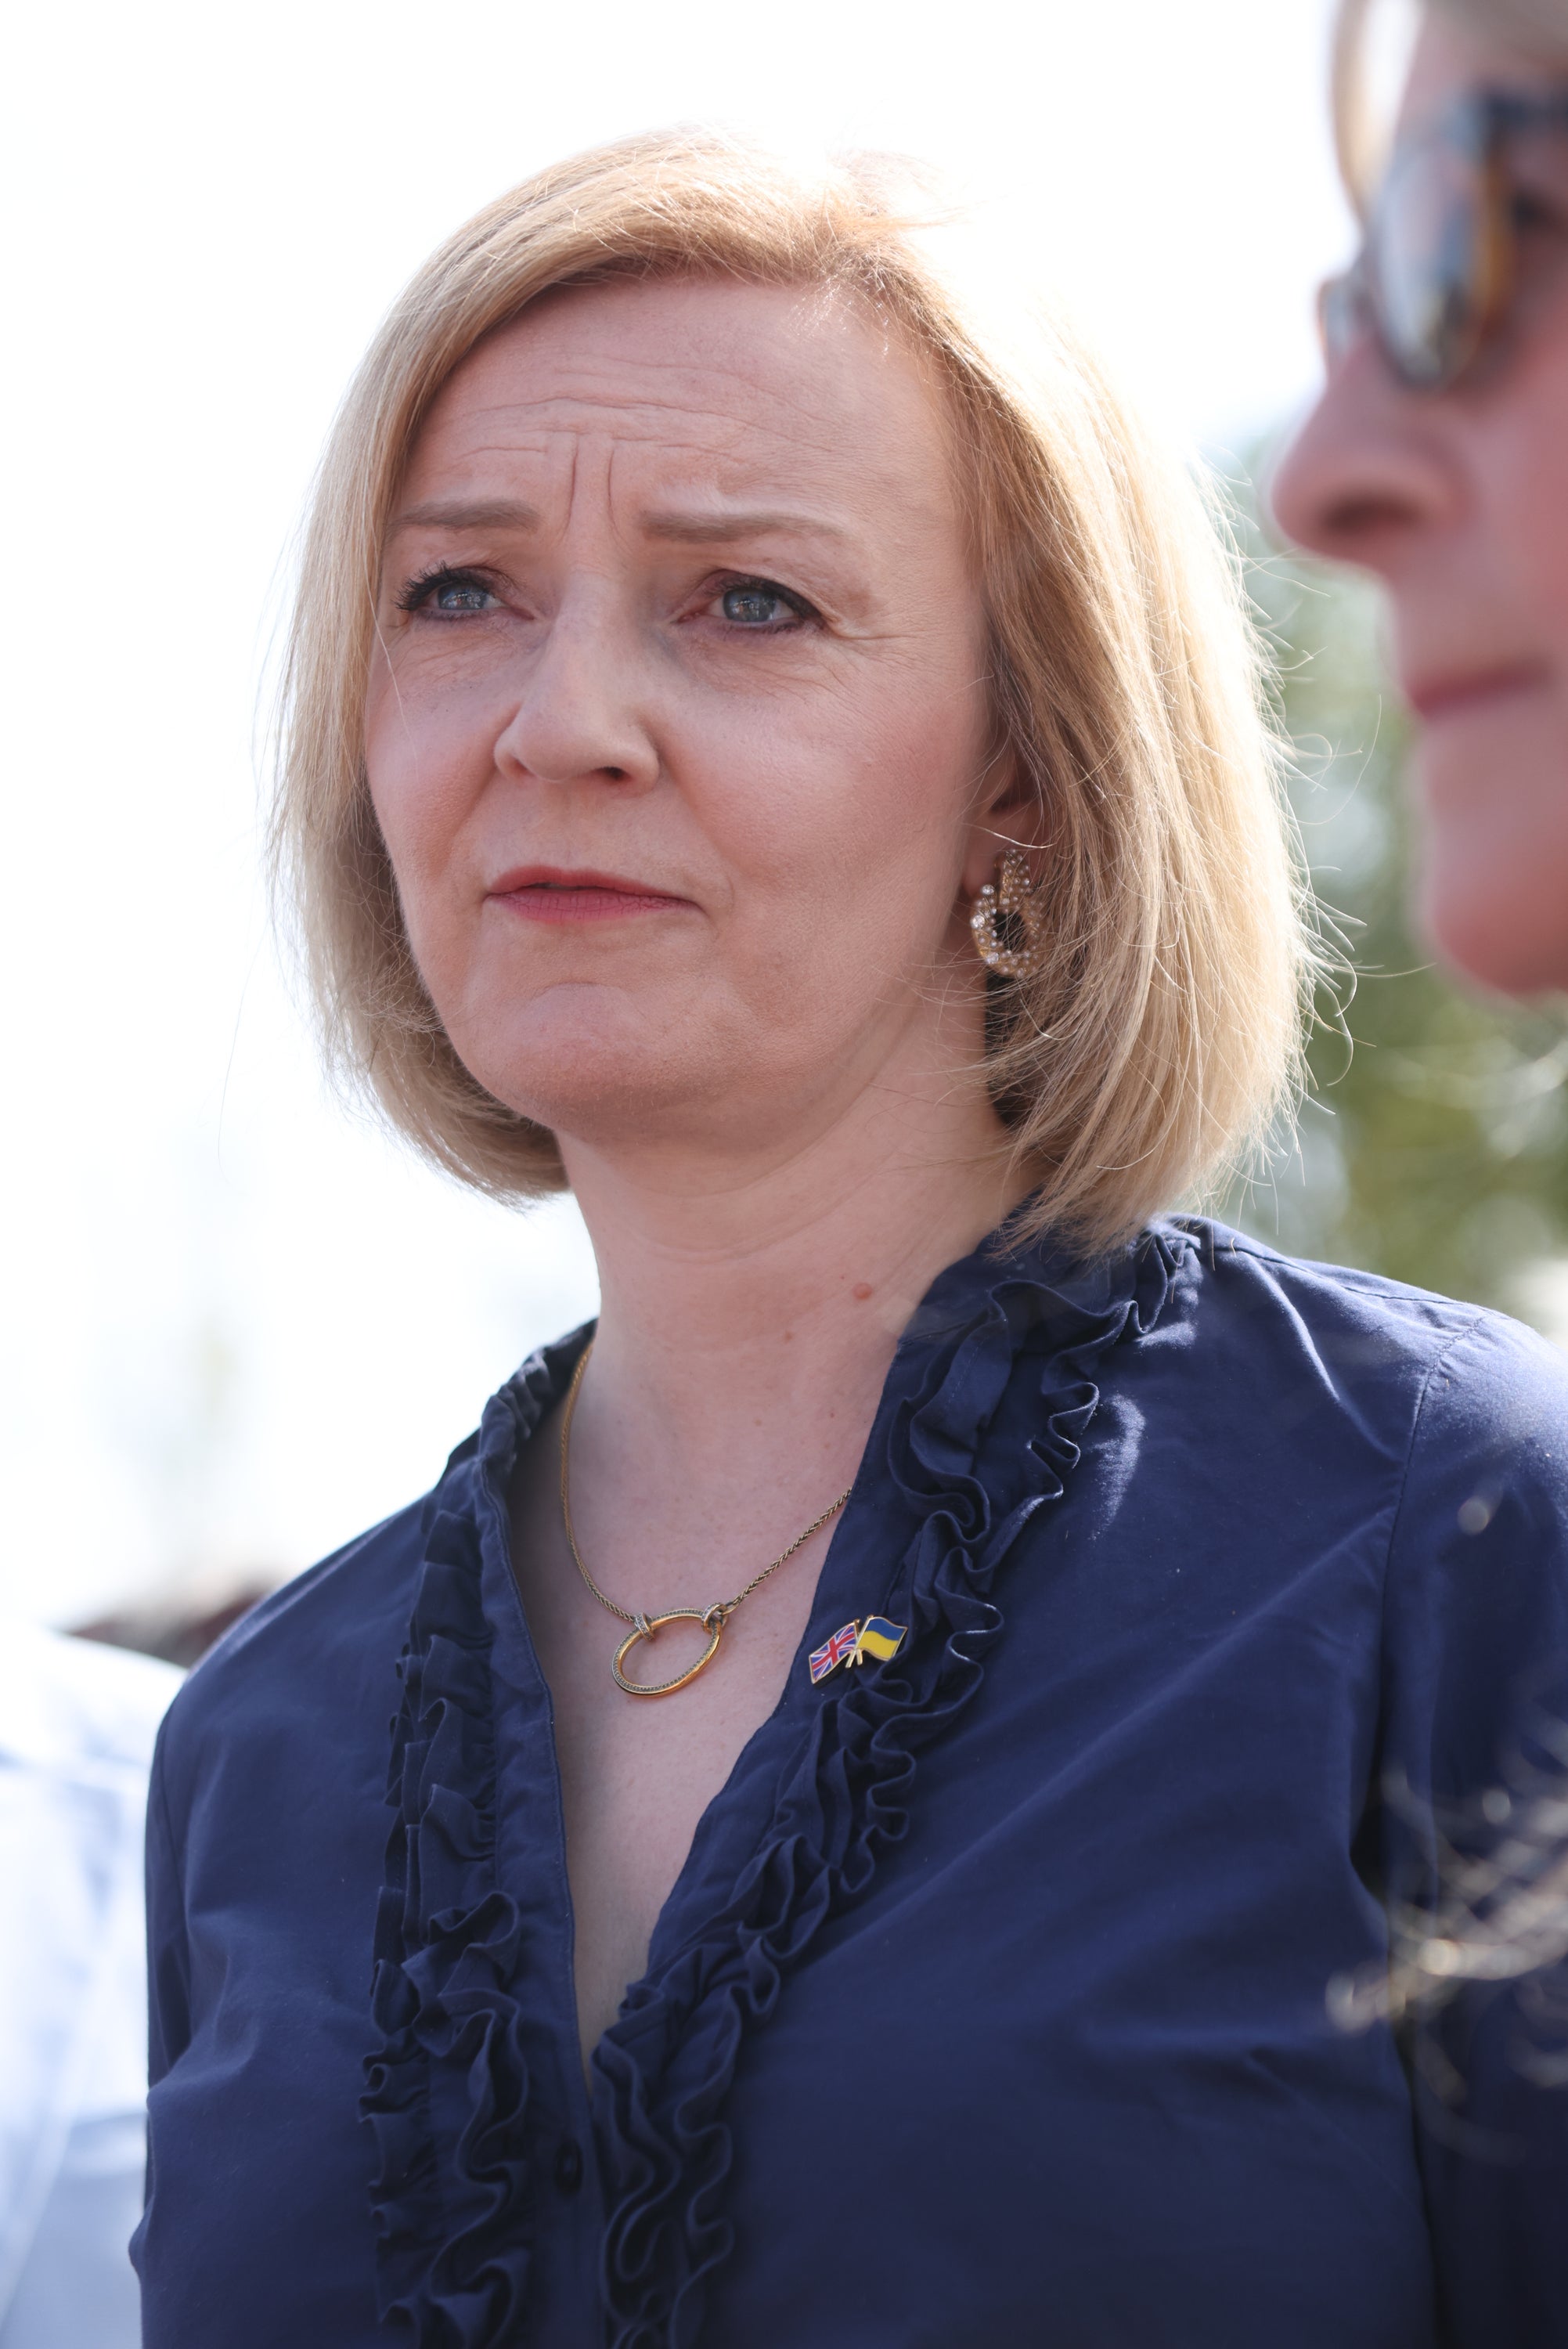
(648, 1627)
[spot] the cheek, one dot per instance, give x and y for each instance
(1524, 490)
(428, 756)
(1493, 785)
(856, 807)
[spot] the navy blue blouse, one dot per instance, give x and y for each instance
(989, 2007)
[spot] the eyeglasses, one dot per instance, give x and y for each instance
(1441, 270)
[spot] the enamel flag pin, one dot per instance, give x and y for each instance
(873, 1637)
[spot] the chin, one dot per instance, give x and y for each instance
(601, 1070)
(1498, 926)
(1493, 893)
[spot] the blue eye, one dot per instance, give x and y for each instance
(460, 596)
(757, 604)
(453, 595)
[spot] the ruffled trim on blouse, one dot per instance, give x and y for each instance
(447, 2090)
(666, 2067)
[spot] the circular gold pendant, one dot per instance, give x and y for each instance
(648, 1627)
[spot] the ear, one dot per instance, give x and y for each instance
(1006, 815)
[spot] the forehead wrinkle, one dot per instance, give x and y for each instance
(696, 524)
(659, 418)
(621, 380)
(717, 496)
(825, 376)
(595, 369)
(674, 424)
(799, 393)
(761, 494)
(766, 482)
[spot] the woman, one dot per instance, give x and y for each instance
(1437, 458)
(884, 1763)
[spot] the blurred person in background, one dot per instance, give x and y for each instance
(885, 1726)
(1437, 458)
(77, 1732)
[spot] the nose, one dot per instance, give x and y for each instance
(584, 712)
(1368, 472)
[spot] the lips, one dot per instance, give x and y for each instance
(1457, 694)
(556, 894)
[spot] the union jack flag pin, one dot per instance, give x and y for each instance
(872, 1636)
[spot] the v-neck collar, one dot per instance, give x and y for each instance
(819, 1793)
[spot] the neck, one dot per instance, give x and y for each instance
(751, 1307)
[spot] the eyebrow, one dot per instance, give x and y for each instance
(694, 529)
(475, 514)
(721, 529)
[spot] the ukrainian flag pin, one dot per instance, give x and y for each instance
(879, 1637)
(873, 1637)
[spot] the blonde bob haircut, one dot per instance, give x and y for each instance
(1164, 1028)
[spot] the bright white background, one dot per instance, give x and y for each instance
(236, 1328)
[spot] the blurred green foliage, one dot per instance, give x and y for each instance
(1434, 1144)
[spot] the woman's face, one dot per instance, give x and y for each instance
(1460, 502)
(680, 721)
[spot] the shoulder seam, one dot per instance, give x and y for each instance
(1357, 1280)
(1439, 1363)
